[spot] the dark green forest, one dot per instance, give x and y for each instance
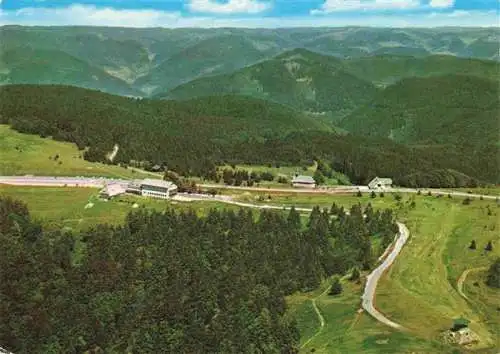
(173, 282)
(192, 137)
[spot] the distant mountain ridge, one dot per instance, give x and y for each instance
(154, 60)
(298, 78)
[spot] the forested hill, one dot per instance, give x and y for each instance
(228, 117)
(52, 66)
(192, 137)
(452, 109)
(174, 283)
(299, 78)
(384, 70)
(154, 60)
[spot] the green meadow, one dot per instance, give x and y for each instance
(29, 154)
(58, 207)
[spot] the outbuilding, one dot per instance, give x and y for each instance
(380, 183)
(112, 190)
(303, 182)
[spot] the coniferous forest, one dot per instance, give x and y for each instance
(173, 282)
(193, 137)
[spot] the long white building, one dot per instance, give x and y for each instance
(157, 188)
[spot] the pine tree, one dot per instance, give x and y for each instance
(355, 274)
(334, 209)
(336, 288)
(373, 195)
(493, 279)
(489, 246)
(472, 245)
(319, 178)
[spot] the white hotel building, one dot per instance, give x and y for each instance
(156, 188)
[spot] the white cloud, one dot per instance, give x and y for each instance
(87, 15)
(92, 16)
(230, 7)
(444, 4)
(330, 6)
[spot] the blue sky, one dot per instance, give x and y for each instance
(251, 13)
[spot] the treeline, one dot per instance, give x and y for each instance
(193, 137)
(172, 282)
(237, 177)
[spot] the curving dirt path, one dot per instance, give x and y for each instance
(320, 317)
(373, 278)
(463, 277)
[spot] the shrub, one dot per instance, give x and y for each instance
(473, 245)
(336, 288)
(466, 201)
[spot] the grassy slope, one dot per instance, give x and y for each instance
(59, 207)
(419, 294)
(299, 78)
(33, 158)
(483, 299)
(421, 286)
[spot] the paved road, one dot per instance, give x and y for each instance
(329, 190)
(96, 182)
(99, 182)
(348, 189)
(373, 278)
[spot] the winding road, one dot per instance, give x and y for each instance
(373, 278)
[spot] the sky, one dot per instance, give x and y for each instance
(251, 13)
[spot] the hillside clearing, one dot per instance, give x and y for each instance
(421, 286)
(29, 154)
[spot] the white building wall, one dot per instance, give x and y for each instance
(154, 194)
